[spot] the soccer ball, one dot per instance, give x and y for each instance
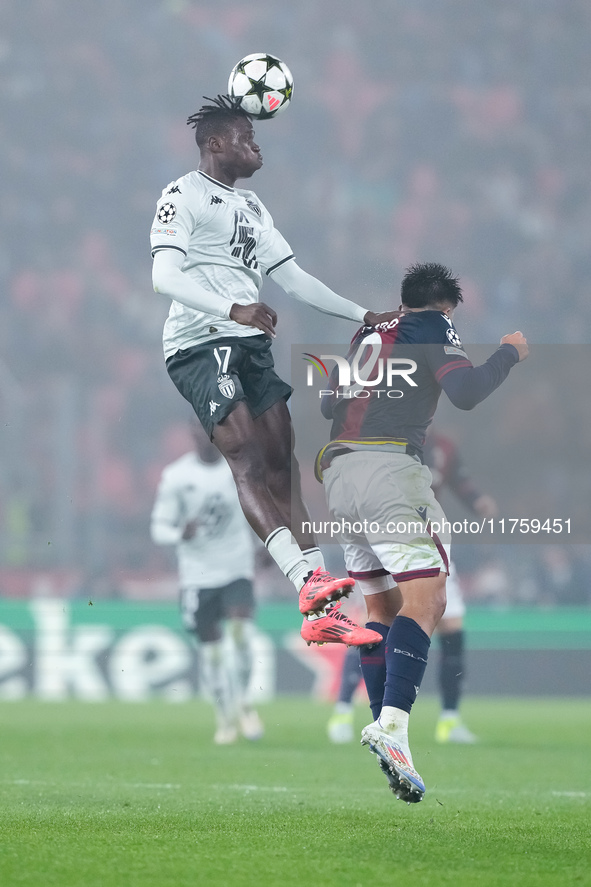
(261, 84)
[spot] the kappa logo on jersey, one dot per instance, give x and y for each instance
(216, 199)
(453, 337)
(226, 386)
(174, 190)
(166, 213)
(254, 206)
(212, 407)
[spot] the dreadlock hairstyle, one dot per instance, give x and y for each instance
(215, 118)
(429, 284)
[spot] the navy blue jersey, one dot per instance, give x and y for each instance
(398, 370)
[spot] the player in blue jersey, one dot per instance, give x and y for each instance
(212, 244)
(449, 473)
(377, 488)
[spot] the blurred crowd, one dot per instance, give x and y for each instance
(454, 132)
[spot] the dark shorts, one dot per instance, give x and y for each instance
(203, 609)
(217, 375)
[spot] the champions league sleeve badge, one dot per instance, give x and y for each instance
(453, 337)
(166, 213)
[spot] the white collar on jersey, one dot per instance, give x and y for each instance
(214, 181)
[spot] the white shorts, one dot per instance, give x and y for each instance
(385, 509)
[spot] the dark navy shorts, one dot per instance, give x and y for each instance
(204, 609)
(215, 376)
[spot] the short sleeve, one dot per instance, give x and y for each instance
(175, 218)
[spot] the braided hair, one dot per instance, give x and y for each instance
(212, 119)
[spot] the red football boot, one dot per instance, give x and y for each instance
(336, 628)
(320, 589)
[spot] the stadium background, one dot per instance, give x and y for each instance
(456, 132)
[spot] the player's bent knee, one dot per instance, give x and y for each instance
(382, 598)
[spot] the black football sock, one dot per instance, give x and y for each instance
(407, 648)
(350, 676)
(451, 669)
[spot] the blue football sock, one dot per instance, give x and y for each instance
(451, 669)
(373, 667)
(407, 648)
(350, 675)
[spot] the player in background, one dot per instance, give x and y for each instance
(373, 473)
(448, 471)
(211, 245)
(197, 510)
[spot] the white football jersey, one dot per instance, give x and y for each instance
(222, 549)
(228, 240)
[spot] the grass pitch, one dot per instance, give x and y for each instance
(120, 795)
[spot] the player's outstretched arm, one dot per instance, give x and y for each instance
(466, 386)
(303, 286)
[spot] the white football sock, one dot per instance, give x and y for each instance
(242, 633)
(216, 681)
(393, 720)
(314, 557)
(288, 556)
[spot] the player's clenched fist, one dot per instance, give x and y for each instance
(258, 315)
(519, 341)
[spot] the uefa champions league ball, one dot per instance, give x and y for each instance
(261, 84)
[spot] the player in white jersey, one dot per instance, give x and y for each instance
(211, 245)
(197, 510)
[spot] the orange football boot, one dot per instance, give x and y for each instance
(322, 588)
(336, 628)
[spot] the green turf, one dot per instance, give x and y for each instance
(137, 795)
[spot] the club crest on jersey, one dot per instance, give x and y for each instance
(453, 337)
(226, 386)
(254, 206)
(166, 213)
